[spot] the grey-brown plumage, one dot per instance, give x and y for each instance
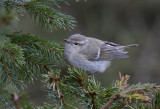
(91, 54)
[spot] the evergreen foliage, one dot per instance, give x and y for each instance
(24, 57)
(47, 16)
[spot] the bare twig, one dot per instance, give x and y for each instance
(15, 99)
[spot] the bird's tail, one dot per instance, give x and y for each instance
(114, 52)
(131, 45)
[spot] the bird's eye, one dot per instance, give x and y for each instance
(75, 43)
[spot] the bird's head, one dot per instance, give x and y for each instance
(75, 43)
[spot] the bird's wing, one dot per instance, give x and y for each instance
(110, 51)
(104, 51)
(111, 43)
(92, 50)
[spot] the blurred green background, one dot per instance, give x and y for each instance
(120, 21)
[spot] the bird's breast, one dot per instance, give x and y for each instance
(89, 66)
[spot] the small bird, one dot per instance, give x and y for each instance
(91, 54)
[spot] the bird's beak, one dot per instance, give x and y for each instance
(66, 40)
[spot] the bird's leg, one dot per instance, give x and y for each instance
(92, 74)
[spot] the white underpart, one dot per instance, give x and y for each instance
(89, 66)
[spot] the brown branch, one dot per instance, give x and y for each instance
(60, 94)
(15, 99)
(93, 100)
(22, 43)
(7, 50)
(5, 20)
(109, 103)
(81, 83)
(54, 80)
(5, 69)
(62, 98)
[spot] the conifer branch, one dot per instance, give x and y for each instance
(131, 92)
(11, 59)
(32, 41)
(39, 64)
(87, 93)
(42, 11)
(55, 82)
(49, 17)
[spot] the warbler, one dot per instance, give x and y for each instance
(92, 55)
